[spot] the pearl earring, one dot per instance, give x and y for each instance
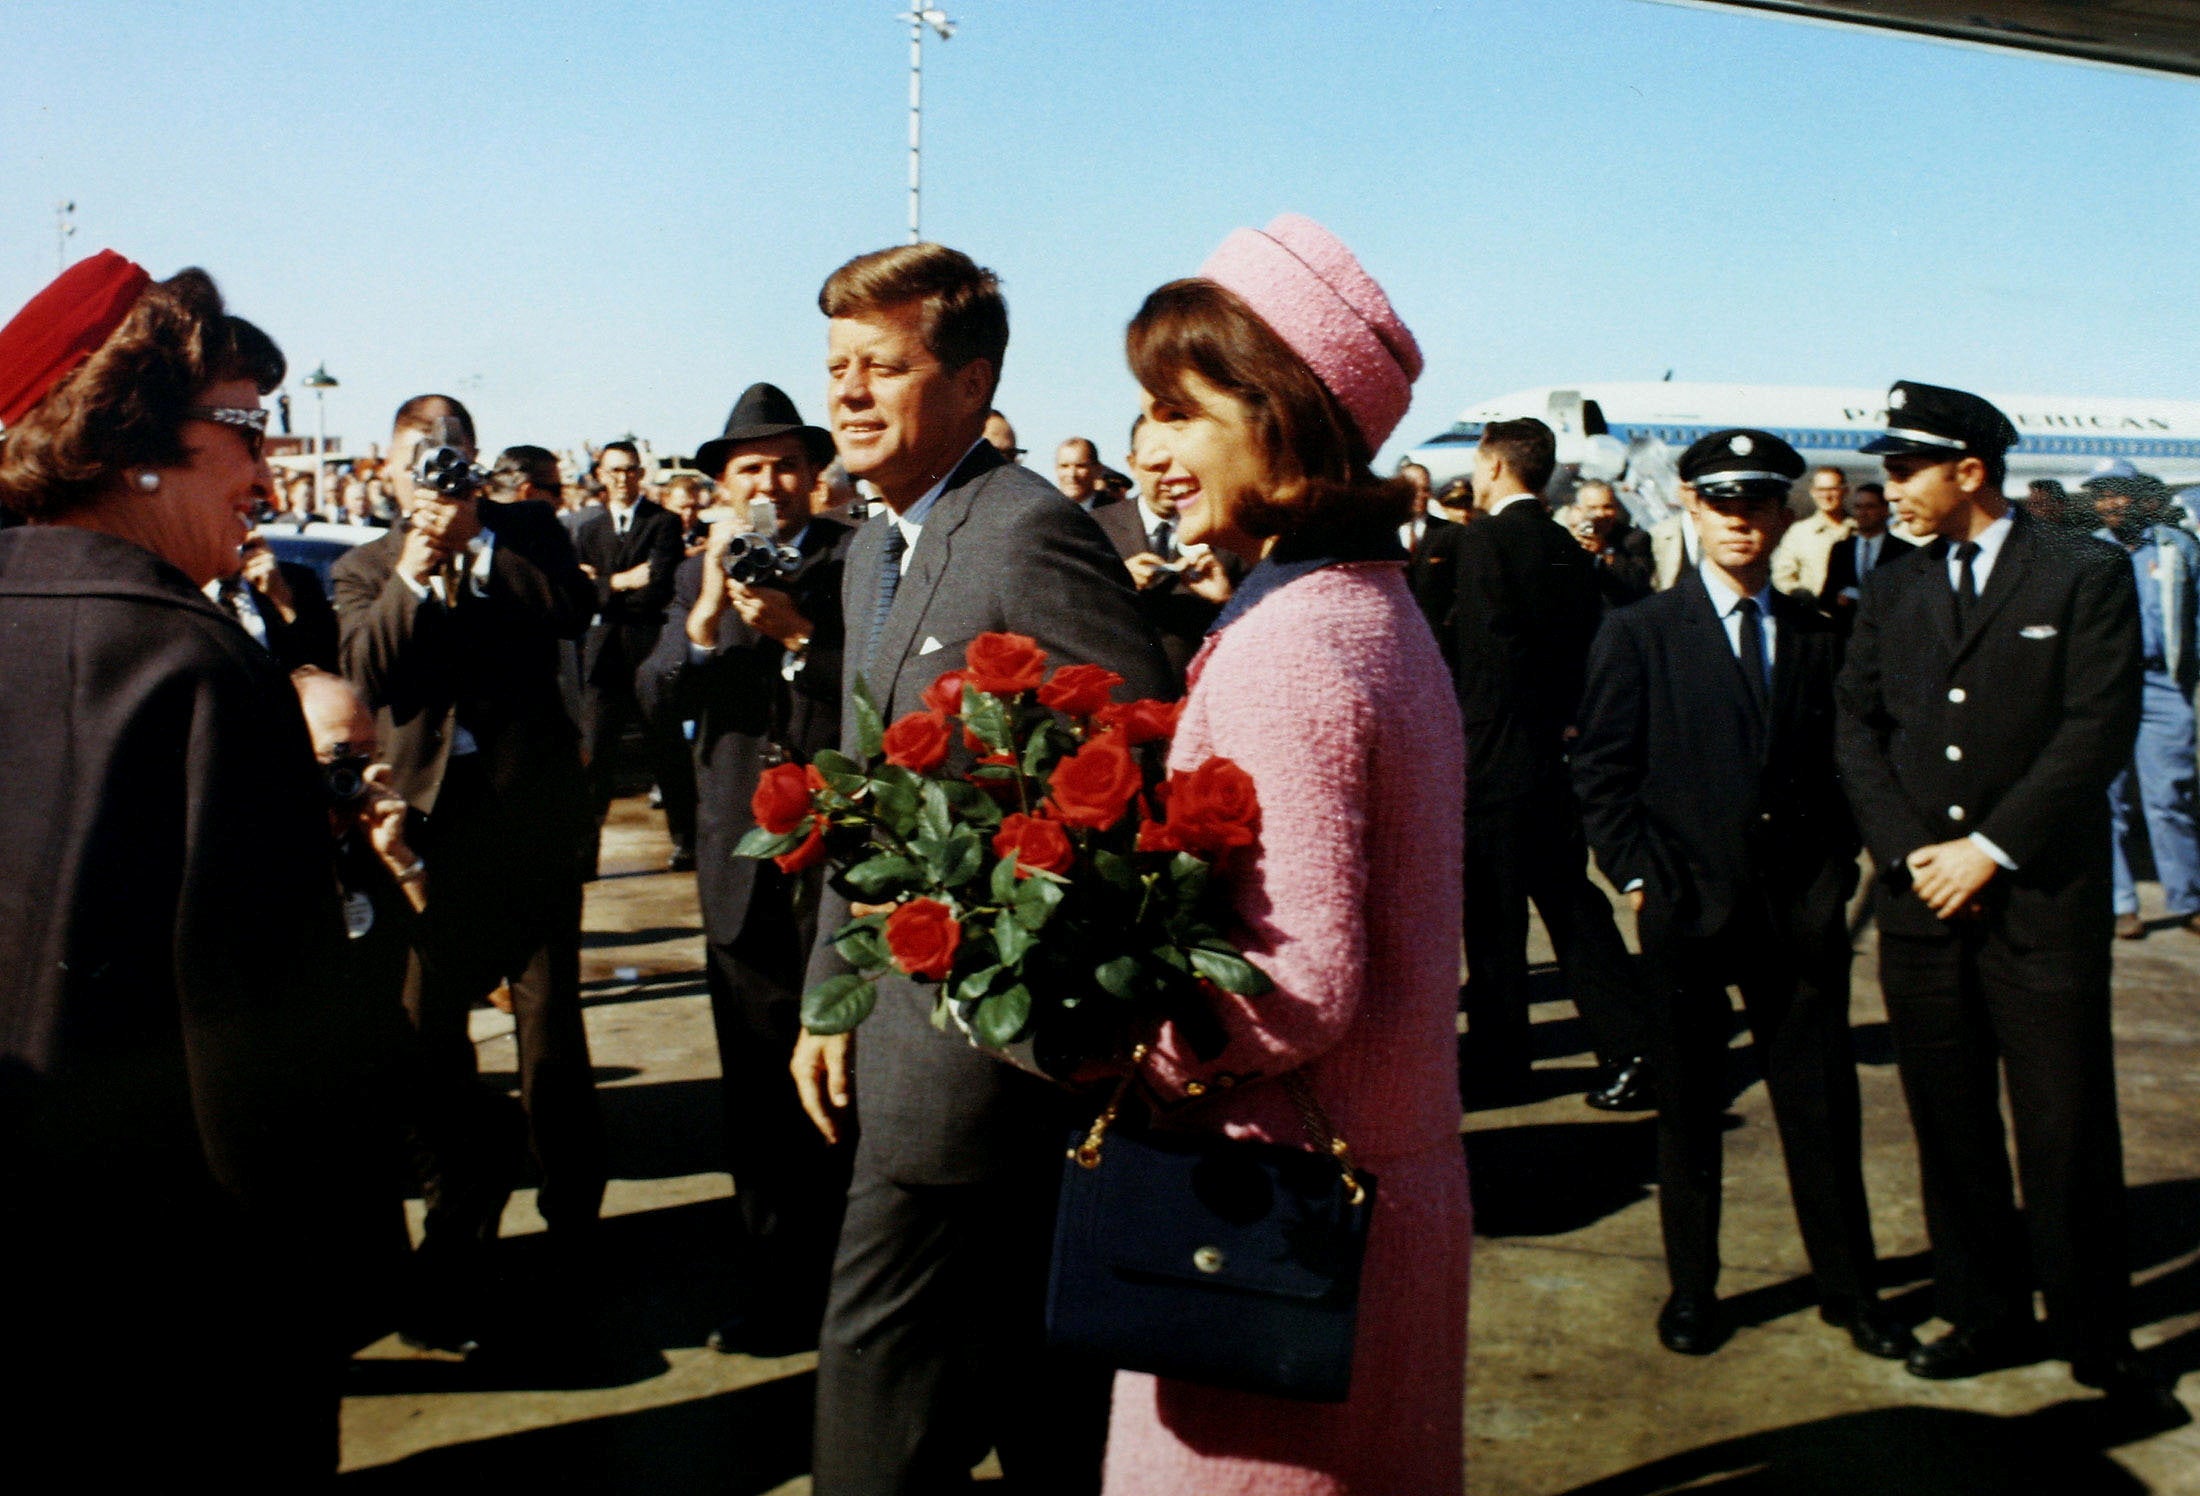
(148, 481)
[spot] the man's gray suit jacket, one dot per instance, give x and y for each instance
(1001, 550)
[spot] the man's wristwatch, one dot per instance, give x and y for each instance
(414, 873)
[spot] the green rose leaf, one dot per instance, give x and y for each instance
(965, 856)
(1036, 751)
(1116, 869)
(870, 731)
(934, 819)
(863, 946)
(988, 719)
(1011, 938)
(973, 986)
(1230, 971)
(838, 1004)
(973, 805)
(1004, 881)
(762, 843)
(896, 803)
(1119, 976)
(1001, 1018)
(880, 874)
(1036, 900)
(1189, 874)
(839, 772)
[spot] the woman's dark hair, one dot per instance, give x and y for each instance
(125, 407)
(1316, 458)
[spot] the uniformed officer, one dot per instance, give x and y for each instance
(1706, 776)
(1990, 695)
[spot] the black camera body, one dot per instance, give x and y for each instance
(760, 561)
(448, 471)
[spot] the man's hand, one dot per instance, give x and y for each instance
(770, 612)
(710, 598)
(633, 579)
(264, 575)
(450, 523)
(420, 557)
(1634, 899)
(1949, 876)
(1146, 569)
(820, 1068)
(1203, 574)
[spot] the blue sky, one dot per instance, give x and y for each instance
(585, 219)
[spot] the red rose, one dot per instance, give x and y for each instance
(1155, 836)
(923, 936)
(1034, 844)
(1005, 664)
(1212, 809)
(1078, 690)
(918, 742)
(809, 854)
(1141, 721)
(1094, 785)
(782, 797)
(945, 695)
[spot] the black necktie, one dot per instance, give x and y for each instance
(1753, 651)
(889, 578)
(1164, 541)
(1966, 584)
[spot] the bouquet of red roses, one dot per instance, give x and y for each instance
(1044, 871)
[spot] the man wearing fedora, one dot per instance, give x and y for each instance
(756, 668)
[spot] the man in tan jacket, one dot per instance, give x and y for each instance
(1799, 565)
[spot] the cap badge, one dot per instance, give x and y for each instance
(1897, 398)
(1741, 446)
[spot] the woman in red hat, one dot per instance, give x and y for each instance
(176, 1093)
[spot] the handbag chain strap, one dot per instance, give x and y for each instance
(1318, 1126)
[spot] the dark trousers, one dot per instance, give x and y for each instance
(606, 709)
(504, 905)
(934, 1349)
(789, 1184)
(1795, 995)
(1527, 848)
(1964, 1010)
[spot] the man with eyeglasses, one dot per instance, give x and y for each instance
(1001, 436)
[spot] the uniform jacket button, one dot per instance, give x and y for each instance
(1955, 754)
(1955, 812)
(1956, 694)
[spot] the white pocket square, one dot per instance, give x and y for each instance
(931, 644)
(2038, 631)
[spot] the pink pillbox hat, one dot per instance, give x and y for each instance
(1310, 289)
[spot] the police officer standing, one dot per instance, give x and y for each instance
(1990, 695)
(1706, 775)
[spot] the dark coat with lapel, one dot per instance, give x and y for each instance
(1179, 616)
(1683, 786)
(490, 661)
(1625, 568)
(1001, 550)
(1525, 611)
(1841, 563)
(310, 638)
(175, 1057)
(741, 705)
(1432, 575)
(2013, 730)
(627, 623)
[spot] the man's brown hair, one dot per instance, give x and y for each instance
(965, 315)
(422, 412)
(1313, 452)
(125, 407)
(1527, 447)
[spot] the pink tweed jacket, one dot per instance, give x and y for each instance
(1330, 692)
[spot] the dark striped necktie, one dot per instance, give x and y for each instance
(889, 580)
(1752, 651)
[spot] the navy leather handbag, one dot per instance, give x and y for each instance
(1212, 1260)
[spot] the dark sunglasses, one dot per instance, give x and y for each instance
(250, 424)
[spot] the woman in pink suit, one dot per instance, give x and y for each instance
(1273, 378)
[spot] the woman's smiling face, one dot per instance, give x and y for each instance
(1207, 459)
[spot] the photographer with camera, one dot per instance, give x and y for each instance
(451, 628)
(756, 666)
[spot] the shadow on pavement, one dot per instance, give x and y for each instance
(1549, 1178)
(1905, 1452)
(739, 1443)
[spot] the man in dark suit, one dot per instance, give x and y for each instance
(933, 1342)
(1180, 593)
(1621, 553)
(1857, 556)
(1990, 696)
(1526, 610)
(630, 551)
(281, 605)
(1430, 540)
(1705, 765)
(451, 625)
(756, 667)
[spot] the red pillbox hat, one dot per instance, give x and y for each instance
(62, 326)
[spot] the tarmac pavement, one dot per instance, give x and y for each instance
(606, 1385)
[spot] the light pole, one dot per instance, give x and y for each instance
(64, 229)
(918, 20)
(320, 381)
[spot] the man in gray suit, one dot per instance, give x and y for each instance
(933, 1348)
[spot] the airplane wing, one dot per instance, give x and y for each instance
(2154, 35)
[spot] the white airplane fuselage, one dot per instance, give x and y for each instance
(1640, 430)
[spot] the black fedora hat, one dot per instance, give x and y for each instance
(762, 411)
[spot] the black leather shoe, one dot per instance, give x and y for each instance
(1627, 1091)
(2127, 1379)
(1875, 1331)
(1688, 1325)
(745, 1334)
(1970, 1353)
